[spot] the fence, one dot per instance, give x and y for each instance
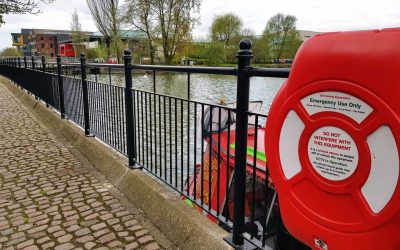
(207, 153)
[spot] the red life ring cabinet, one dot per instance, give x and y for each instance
(333, 139)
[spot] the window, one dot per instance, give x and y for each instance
(51, 38)
(52, 54)
(51, 45)
(42, 45)
(41, 38)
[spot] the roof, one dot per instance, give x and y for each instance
(126, 34)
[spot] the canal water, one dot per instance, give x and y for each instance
(203, 87)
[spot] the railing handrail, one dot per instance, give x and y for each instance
(253, 71)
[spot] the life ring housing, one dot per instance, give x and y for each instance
(333, 138)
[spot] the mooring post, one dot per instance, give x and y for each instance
(85, 94)
(60, 87)
(19, 62)
(130, 129)
(242, 106)
(25, 62)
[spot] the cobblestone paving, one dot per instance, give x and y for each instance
(49, 199)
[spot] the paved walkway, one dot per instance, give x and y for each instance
(50, 198)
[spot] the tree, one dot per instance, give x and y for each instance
(248, 32)
(107, 19)
(78, 37)
(169, 21)
(278, 30)
(140, 15)
(261, 49)
(10, 52)
(19, 7)
(224, 27)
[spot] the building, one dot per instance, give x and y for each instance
(48, 43)
(305, 34)
(39, 42)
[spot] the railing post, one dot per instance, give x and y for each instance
(25, 62)
(60, 87)
(242, 105)
(19, 62)
(46, 96)
(85, 94)
(130, 132)
(33, 62)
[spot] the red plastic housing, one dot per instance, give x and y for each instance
(332, 141)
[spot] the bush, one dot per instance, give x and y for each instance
(96, 53)
(215, 54)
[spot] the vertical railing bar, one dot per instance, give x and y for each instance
(195, 152)
(210, 145)
(188, 86)
(144, 159)
(120, 120)
(253, 193)
(159, 133)
(182, 165)
(139, 128)
(147, 130)
(176, 142)
(219, 160)
(228, 156)
(170, 140)
(109, 75)
(151, 131)
(165, 139)
(188, 142)
(202, 155)
(154, 82)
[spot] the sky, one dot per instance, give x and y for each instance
(315, 15)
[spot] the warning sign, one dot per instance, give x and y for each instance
(338, 102)
(333, 153)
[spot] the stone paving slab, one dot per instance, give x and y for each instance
(50, 198)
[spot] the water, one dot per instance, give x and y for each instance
(205, 88)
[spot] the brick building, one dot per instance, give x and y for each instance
(43, 45)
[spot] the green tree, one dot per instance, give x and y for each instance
(292, 45)
(225, 27)
(140, 15)
(169, 22)
(10, 52)
(19, 7)
(78, 37)
(261, 49)
(278, 30)
(107, 18)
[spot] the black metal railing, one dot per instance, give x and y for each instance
(203, 151)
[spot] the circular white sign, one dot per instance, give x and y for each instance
(333, 153)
